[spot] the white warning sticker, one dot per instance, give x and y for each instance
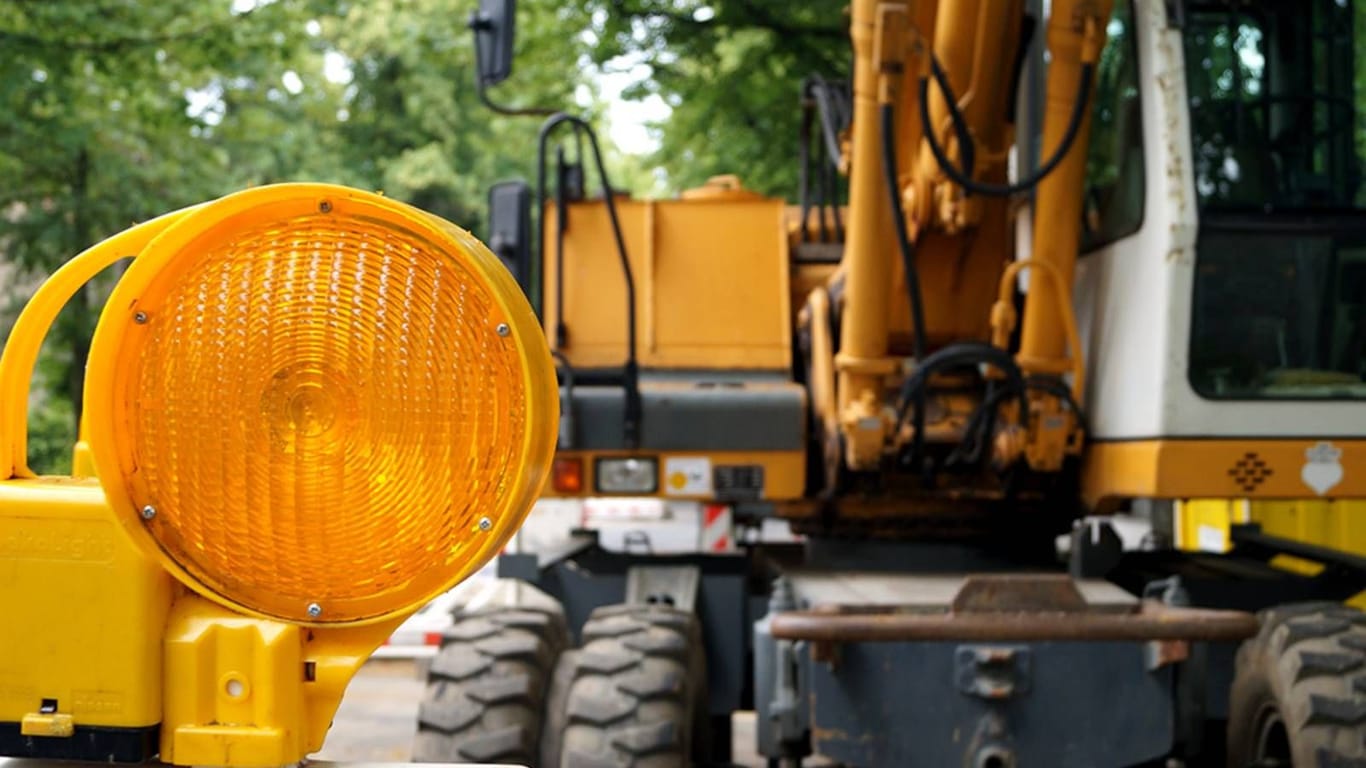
(687, 476)
(1323, 470)
(1208, 538)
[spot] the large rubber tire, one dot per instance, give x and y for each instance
(556, 700)
(1299, 691)
(637, 699)
(485, 696)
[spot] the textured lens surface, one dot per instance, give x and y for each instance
(323, 412)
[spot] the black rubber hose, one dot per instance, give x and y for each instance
(1061, 391)
(903, 238)
(830, 131)
(980, 425)
(965, 180)
(958, 355)
(966, 146)
(804, 171)
(953, 356)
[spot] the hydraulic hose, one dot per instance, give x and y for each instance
(980, 425)
(964, 178)
(903, 238)
(1061, 391)
(954, 356)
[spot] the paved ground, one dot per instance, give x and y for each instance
(377, 718)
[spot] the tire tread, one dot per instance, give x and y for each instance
(484, 700)
(1306, 662)
(632, 696)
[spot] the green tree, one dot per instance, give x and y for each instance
(414, 125)
(117, 111)
(114, 111)
(732, 72)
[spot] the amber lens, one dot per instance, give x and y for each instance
(326, 409)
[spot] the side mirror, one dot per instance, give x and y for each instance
(509, 234)
(494, 26)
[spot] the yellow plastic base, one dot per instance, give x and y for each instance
(243, 691)
(82, 612)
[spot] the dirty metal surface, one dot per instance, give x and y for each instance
(1152, 621)
(1059, 705)
(906, 591)
(995, 593)
(1014, 608)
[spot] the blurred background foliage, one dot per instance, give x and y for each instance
(114, 111)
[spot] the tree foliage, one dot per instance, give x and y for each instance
(732, 72)
(115, 111)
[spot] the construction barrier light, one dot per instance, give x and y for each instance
(317, 409)
(318, 404)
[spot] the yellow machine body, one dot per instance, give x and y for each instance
(1185, 469)
(717, 291)
(711, 274)
(783, 472)
(121, 645)
(724, 283)
(1203, 524)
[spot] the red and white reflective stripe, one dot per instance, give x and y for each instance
(409, 638)
(717, 534)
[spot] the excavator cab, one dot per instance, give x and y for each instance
(1223, 281)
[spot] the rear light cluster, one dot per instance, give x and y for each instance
(617, 475)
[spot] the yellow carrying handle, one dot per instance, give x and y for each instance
(26, 338)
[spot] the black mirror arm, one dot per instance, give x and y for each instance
(479, 22)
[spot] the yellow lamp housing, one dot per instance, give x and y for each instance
(314, 407)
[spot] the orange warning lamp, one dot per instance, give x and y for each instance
(318, 404)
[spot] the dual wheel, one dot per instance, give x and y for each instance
(506, 688)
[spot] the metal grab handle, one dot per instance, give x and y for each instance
(32, 326)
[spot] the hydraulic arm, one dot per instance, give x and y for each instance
(931, 203)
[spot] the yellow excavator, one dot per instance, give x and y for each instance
(1100, 257)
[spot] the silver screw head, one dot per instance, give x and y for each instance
(503, 329)
(485, 524)
(149, 512)
(314, 610)
(140, 318)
